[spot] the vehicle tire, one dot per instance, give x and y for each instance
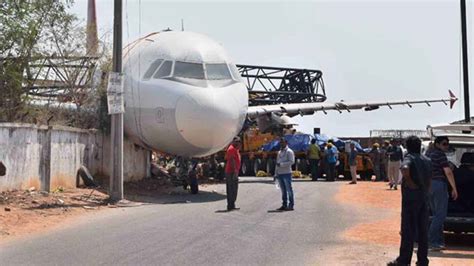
(220, 171)
(194, 184)
(206, 170)
(270, 167)
(347, 175)
(86, 177)
(366, 175)
(257, 165)
(245, 166)
(302, 166)
(293, 167)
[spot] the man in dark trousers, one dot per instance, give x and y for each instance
(416, 171)
(439, 197)
(314, 155)
(232, 173)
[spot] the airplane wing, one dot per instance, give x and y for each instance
(293, 109)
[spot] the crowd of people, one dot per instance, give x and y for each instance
(384, 161)
(424, 185)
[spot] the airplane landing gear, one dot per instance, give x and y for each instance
(186, 174)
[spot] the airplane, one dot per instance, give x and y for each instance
(184, 96)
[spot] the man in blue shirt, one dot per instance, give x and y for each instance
(439, 196)
(331, 159)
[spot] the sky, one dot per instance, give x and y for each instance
(367, 50)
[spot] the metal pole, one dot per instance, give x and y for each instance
(116, 182)
(467, 115)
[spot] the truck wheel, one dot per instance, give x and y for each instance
(347, 175)
(257, 165)
(270, 167)
(302, 166)
(244, 168)
(194, 185)
(366, 176)
(294, 167)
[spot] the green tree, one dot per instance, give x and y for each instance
(28, 29)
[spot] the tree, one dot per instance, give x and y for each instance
(28, 28)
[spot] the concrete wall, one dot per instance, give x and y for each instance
(48, 157)
(136, 160)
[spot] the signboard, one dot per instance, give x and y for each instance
(115, 101)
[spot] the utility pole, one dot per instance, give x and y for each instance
(116, 176)
(465, 66)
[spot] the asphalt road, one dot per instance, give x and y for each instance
(184, 229)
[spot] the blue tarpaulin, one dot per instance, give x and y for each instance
(297, 142)
(300, 142)
(322, 139)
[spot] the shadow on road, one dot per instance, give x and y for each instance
(183, 197)
(252, 181)
(275, 211)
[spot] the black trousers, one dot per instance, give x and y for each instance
(415, 223)
(314, 163)
(331, 172)
(232, 187)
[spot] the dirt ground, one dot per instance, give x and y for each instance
(383, 230)
(23, 212)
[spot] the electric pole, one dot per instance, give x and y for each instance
(116, 176)
(465, 66)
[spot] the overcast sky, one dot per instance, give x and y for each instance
(367, 50)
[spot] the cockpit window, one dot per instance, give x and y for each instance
(188, 70)
(164, 71)
(235, 72)
(152, 68)
(217, 72)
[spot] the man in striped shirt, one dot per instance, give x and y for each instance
(439, 197)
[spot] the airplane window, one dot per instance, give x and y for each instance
(188, 70)
(152, 68)
(235, 72)
(164, 71)
(217, 71)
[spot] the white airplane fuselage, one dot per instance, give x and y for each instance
(183, 94)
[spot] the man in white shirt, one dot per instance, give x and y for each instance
(285, 159)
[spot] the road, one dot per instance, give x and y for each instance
(184, 229)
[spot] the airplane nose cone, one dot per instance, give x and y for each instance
(209, 118)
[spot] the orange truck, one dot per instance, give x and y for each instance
(255, 159)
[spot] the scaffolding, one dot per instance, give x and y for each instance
(398, 133)
(276, 85)
(60, 79)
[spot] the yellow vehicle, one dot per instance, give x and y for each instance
(254, 159)
(364, 166)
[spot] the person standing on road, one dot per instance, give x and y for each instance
(376, 159)
(416, 171)
(384, 160)
(331, 160)
(232, 173)
(353, 163)
(395, 155)
(285, 159)
(439, 196)
(314, 155)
